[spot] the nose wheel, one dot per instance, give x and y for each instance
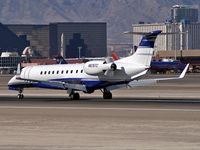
(20, 95)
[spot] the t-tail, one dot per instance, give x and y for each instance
(144, 53)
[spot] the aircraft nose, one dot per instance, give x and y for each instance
(11, 81)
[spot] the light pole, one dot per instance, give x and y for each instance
(79, 51)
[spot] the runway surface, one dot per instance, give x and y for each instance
(165, 116)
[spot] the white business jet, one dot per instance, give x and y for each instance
(94, 75)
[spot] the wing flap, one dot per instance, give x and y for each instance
(79, 87)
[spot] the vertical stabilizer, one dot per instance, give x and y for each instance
(144, 52)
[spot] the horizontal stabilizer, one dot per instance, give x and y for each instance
(147, 33)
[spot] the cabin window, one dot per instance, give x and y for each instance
(71, 71)
(57, 72)
(81, 71)
(62, 72)
(49, 72)
(41, 72)
(52, 72)
(45, 72)
(67, 72)
(76, 71)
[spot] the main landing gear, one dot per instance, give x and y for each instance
(20, 95)
(107, 94)
(74, 96)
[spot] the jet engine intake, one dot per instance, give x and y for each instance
(97, 67)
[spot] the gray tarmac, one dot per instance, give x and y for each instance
(164, 116)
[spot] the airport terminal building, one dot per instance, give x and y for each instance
(81, 39)
(185, 36)
(182, 30)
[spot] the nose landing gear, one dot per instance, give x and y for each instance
(20, 95)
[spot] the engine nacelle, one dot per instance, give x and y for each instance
(97, 67)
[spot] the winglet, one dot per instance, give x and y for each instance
(184, 72)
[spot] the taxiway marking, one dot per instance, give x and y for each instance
(100, 108)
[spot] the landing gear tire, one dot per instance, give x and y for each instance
(74, 96)
(107, 95)
(20, 96)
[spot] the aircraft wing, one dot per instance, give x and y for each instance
(79, 87)
(65, 85)
(145, 82)
(58, 84)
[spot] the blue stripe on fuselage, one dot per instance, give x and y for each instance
(13, 88)
(88, 83)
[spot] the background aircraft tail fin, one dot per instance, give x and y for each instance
(60, 59)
